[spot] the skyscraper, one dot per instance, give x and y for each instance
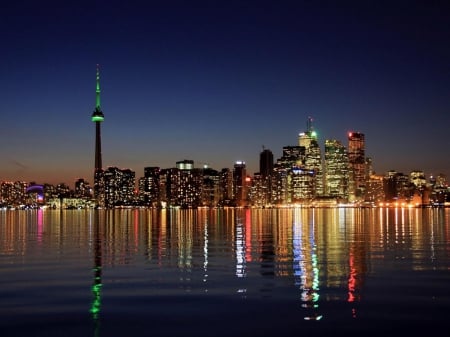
(262, 182)
(149, 190)
(336, 169)
(266, 163)
(313, 156)
(357, 160)
(97, 118)
(239, 185)
(118, 187)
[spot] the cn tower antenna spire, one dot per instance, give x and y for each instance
(97, 91)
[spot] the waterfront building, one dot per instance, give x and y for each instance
(357, 161)
(181, 186)
(313, 156)
(239, 183)
(440, 189)
(336, 170)
(292, 157)
(301, 185)
(119, 187)
(98, 117)
(397, 187)
(13, 193)
(82, 189)
(439, 181)
(374, 193)
(189, 186)
(417, 178)
(149, 186)
(226, 187)
(210, 189)
(279, 185)
(168, 186)
(262, 181)
(313, 162)
(266, 163)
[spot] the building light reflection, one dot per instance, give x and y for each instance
(240, 250)
(305, 265)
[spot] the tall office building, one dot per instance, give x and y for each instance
(357, 161)
(266, 163)
(239, 184)
(336, 169)
(292, 156)
(149, 187)
(210, 189)
(226, 187)
(119, 187)
(98, 117)
(189, 183)
(300, 185)
(262, 182)
(313, 156)
(306, 138)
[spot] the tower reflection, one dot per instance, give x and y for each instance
(97, 284)
(305, 263)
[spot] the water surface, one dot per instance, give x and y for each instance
(224, 272)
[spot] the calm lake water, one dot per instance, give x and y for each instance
(224, 272)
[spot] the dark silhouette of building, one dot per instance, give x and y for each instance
(149, 186)
(239, 183)
(97, 118)
(357, 162)
(266, 163)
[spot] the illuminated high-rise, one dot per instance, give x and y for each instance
(313, 156)
(119, 185)
(239, 184)
(336, 169)
(262, 182)
(149, 186)
(357, 161)
(98, 117)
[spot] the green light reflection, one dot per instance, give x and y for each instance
(96, 291)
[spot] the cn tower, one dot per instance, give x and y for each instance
(97, 118)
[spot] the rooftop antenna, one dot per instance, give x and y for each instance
(309, 126)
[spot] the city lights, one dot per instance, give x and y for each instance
(341, 176)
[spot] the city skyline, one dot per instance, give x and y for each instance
(216, 83)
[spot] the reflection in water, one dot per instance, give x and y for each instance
(97, 285)
(306, 259)
(205, 252)
(40, 225)
(240, 249)
(305, 264)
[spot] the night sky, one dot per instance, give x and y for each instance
(215, 81)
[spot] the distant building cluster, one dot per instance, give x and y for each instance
(342, 175)
(301, 176)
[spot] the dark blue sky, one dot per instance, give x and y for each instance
(214, 81)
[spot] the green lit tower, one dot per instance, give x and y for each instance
(97, 118)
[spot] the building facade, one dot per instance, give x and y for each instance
(357, 162)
